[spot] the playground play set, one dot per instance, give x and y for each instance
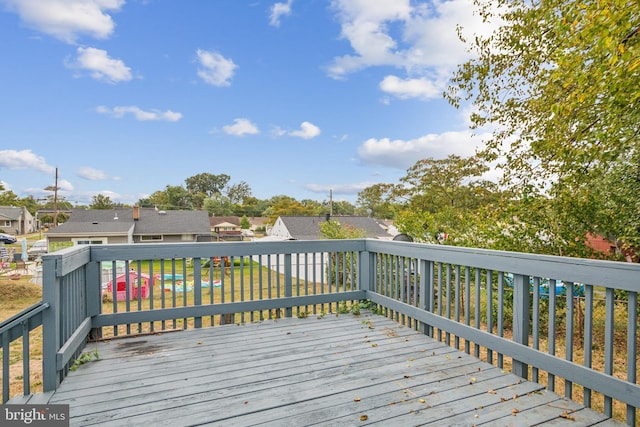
(140, 284)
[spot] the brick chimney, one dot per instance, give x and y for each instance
(136, 212)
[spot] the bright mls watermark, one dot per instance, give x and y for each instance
(34, 415)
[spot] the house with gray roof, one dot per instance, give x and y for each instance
(16, 220)
(308, 227)
(130, 225)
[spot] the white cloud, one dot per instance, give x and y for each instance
(64, 185)
(402, 154)
(279, 10)
(241, 127)
(92, 174)
(100, 66)
(215, 69)
(307, 131)
(411, 88)
(139, 114)
(421, 39)
(277, 131)
(25, 159)
(365, 25)
(67, 19)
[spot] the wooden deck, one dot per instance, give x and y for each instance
(332, 371)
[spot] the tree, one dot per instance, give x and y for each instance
(244, 223)
(285, 205)
(375, 201)
(251, 207)
(100, 201)
(9, 198)
(432, 184)
(342, 207)
(61, 204)
(239, 192)
(442, 199)
(146, 203)
(173, 197)
(207, 183)
(341, 265)
(218, 205)
(333, 229)
(558, 81)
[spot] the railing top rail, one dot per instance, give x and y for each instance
(25, 314)
(211, 249)
(614, 274)
(620, 275)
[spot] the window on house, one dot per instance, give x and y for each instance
(88, 242)
(7, 223)
(151, 238)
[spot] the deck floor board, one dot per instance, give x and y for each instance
(326, 370)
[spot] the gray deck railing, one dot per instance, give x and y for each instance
(555, 320)
(19, 327)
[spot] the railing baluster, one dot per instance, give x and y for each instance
(184, 291)
(457, 303)
(632, 342)
(551, 337)
(467, 305)
(489, 311)
(535, 323)
(315, 280)
(609, 344)
(477, 306)
(440, 291)
(520, 320)
(261, 283)
(569, 322)
(26, 375)
(5, 366)
(197, 289)
(447, 335)
(500, 320)
(288, 287)
(588, 337)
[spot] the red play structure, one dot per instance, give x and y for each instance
(143, 280)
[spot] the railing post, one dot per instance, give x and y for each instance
(365, 264)
(521, 320)
(50, 323)
(93, 294)
(288, 286)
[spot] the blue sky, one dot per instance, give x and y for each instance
(298, 97)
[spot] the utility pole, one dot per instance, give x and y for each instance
(55, 199)
(331, 202)
(55, 202)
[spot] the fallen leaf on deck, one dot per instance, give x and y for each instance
(566, 415)
(364, 417)
(357, 399)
